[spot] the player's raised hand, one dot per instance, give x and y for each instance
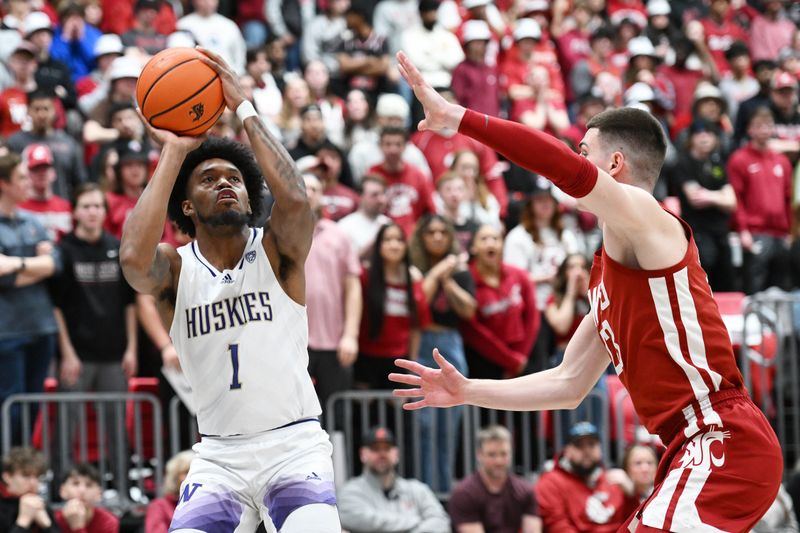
(439, 113)
(231, 89)
(438, 387)
(165, 137)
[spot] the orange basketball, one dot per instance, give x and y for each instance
(178, 92)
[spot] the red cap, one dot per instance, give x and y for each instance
(783, 79)
(38, 155)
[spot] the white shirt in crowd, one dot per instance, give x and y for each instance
(220, 35)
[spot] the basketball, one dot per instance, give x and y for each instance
(176, 91)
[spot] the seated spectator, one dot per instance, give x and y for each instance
(215, 32)
(762, 179)
(22, 510)
(452, 205)
(409, 194)
(323, 35)
(544, 108)
(435, 50)
(379, 501)
(81, 492)
(144, 34)
(132, 173)
(363, 57)
(480, 203)
(14, 99)
(540, 243)
(492, 499)
(569, 302)
(576, 495)
(331, 106)
(123, 18)
(74, 39)
(106, 50)
(53, 212)
(395, 310)
(362, 225)
(27, 259)
(709, 106)
(640, 464)
(67, 160)
(296, 98)
(130, 135)
(392, 111)
(474, 80)
(740, 84)
(500, 336)
(450, 294)
(359, 123)
(338, 200)
(707, 201)
(122, 75)
(160, 511)
(313, 137)
(267, 96)
(586, 70)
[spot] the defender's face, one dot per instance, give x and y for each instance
(216, 187)
(592, 149)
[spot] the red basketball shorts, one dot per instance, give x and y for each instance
(721, 479)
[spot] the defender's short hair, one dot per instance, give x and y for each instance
(635, 133)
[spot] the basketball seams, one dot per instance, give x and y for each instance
(172, 108)
(170, 69)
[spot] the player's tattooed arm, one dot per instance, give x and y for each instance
(291, 221)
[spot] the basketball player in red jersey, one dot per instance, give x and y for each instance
(652, 313)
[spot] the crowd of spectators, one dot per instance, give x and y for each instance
(422, 239)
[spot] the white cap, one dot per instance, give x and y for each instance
(36, 21)
(534, 5)
(641, 46)
(639, 92)
(392, 105)
(476, 30)
(708, 90)
(124, 67)
(469, 4)
(181, 39)
(109, 43)
(527, 29)
(658, 7)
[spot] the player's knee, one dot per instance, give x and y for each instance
(313, 518)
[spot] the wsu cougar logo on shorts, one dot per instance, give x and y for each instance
(698, 450)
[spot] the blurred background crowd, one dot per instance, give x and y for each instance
(422, 239)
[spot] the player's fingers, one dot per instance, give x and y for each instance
(443, 363)
(423, 125)
(411, 406)
(408, 379)
(408, 393)
(410, 365)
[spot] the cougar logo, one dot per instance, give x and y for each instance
(698, 450)
(197, 111)
(596, 509)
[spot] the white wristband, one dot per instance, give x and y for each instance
(246, 110)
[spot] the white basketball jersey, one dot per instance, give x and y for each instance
(242, 343)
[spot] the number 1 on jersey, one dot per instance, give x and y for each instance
(234, 349)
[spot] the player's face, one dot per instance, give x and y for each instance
(380, 458)
(393, 246)
(217, 194)
(90, 210)
(20, 482)
(494, 458)
(81, 488)
(592, 149)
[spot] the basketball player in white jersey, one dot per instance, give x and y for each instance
(235, 297)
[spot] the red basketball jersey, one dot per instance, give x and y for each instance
(666, 339)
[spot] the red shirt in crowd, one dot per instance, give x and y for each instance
(572, 47)
(13, 110)
(409, 195)
(507, 321)
(338, 201)
(720, 37)
(684, 82)
(568, 504)
(763, 184)
(476, 87)
(123, 17)
(102, 522)
(55, 214)
(393, 340)
(159, 514)
(119, 207)
(439, 151)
